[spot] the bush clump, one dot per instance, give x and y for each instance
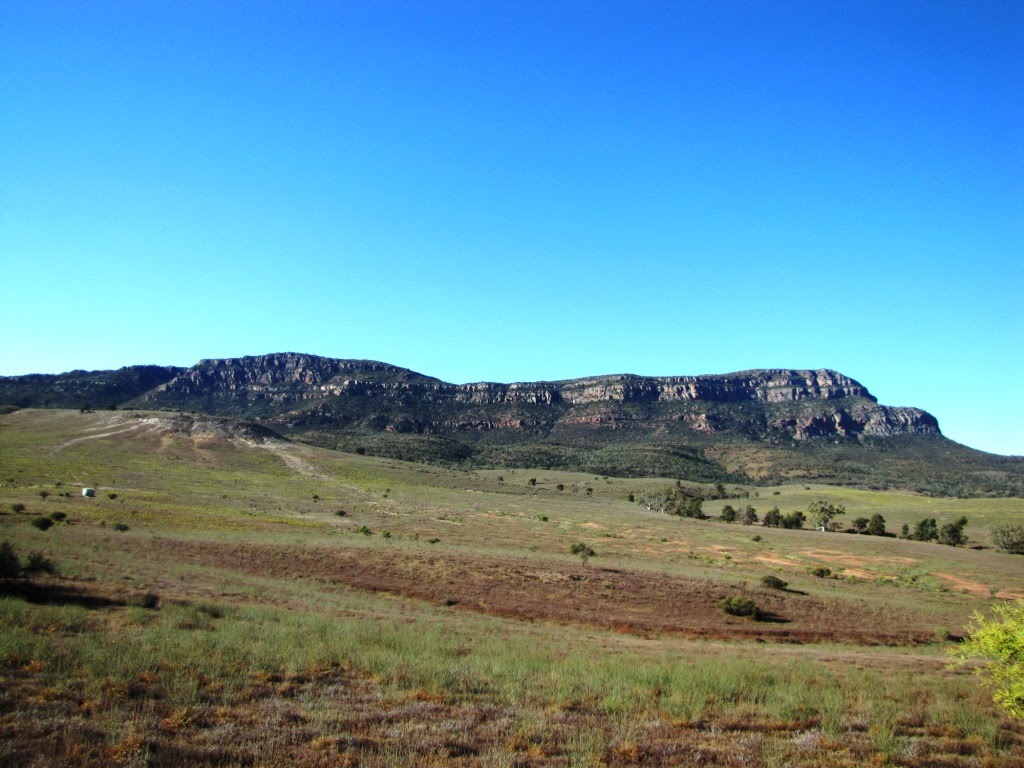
(10, 566)
(42, 523)
(774, 582)
(120, 527)
(822, 572)
(37, 562)
(738, 605)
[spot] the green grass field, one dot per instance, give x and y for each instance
(319, 608)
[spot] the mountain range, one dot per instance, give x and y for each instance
(770, 425)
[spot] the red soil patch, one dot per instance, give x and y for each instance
(551, 590)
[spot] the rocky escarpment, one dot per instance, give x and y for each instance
(307, 389)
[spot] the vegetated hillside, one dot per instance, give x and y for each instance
(83, 389)
(762, 425)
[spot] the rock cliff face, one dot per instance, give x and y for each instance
(386, 397)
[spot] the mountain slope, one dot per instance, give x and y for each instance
(766, 425)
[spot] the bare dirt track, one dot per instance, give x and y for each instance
(623, 600)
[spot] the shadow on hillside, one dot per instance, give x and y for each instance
(54, 594)
(767, 617)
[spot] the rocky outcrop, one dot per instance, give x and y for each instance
(299, 389)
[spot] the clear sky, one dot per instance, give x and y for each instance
(524, 190)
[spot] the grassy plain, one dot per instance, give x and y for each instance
(440, 620)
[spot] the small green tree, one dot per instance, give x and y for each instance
(749, 516)
(793, 520)
(729, 514)
(772, 518)
(925, 530)
(952, 534)
(860, 524)
(876, 525)
(1001, 639)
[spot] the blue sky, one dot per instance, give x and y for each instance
(524, 190)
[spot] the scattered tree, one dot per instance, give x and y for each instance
(690, 506)
(952, 534)
(925, 530)
(42, 523)
(822, 512)
(860, 524)
(43, 495)
(772, 518)
(876, 525)
(729, 514)
(749, 516)
(1009, 538)
(793, 520)
(657, 499)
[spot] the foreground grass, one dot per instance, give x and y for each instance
(143, 678)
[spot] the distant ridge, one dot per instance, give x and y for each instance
(767, 424)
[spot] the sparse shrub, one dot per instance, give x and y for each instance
(120, 527)
(590, 491)
(433, 541)
(341, 513)
(58, 517)
(111, 496)
(1001, 639)
(364, 530)
(774, 582)
(542, 518)
(632, 497)
(43, 495)
(1009, 538)
(150, 601)
(501, 478)
(17, 507)
(560, 487)
(532, 481)
(385, 534)
(739, 605)
(822, 572)
(583, 551)
(10, 566)
(756, 537)
(42, 523)
(361, 451)
(37, 562)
